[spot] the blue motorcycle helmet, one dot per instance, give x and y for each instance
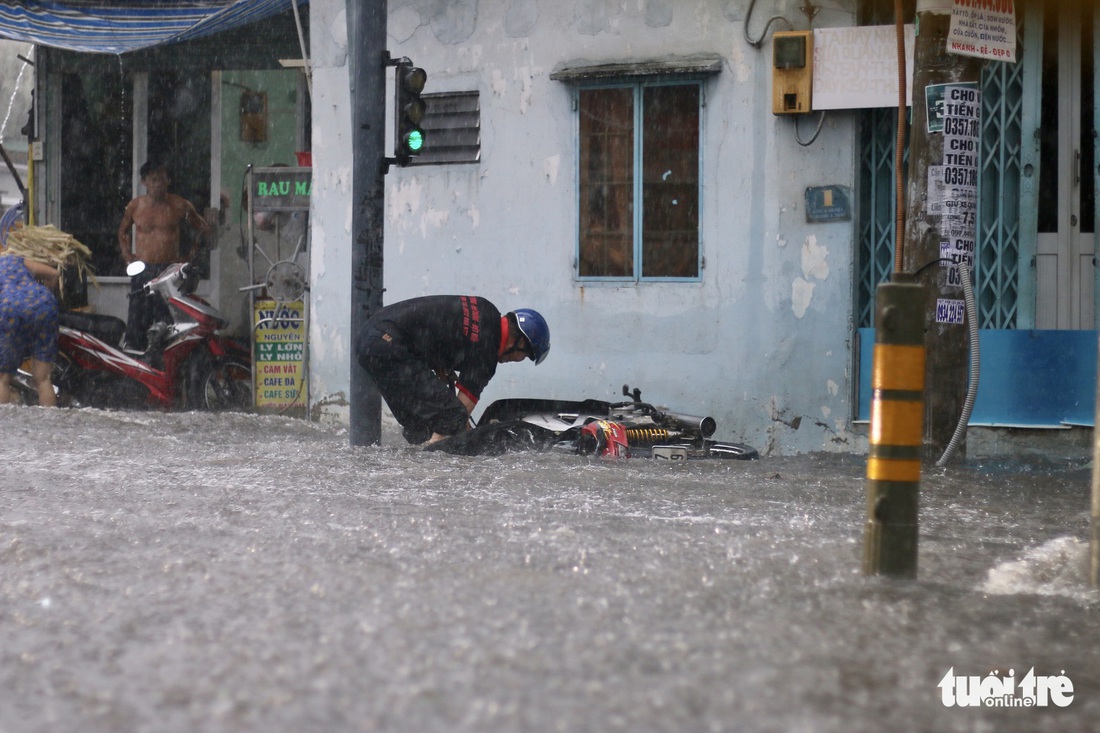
(534, 329)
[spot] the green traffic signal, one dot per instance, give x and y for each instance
(414, 140)
(409, 110)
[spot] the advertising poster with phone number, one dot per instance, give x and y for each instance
(279, 355)
(984, 29)
(954, 111)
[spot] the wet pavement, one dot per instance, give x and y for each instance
(198, 572)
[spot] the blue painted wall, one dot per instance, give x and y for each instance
(1027, 378)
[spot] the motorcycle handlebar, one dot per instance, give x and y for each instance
(187, 277)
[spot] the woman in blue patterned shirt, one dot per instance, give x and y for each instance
(28, 323)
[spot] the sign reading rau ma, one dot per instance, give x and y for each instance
(280, 189)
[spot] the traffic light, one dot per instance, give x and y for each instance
(409, 111)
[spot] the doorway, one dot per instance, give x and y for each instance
(1066, 247)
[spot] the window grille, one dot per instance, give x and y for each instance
(997, 261)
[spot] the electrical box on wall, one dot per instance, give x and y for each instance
(792, 72)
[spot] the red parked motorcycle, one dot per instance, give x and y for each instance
(187, 363)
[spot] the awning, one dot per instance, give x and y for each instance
(118, 26)
(584, 71)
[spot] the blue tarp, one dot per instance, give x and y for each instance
(118, 26)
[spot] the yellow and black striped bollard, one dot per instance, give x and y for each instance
(897, 416)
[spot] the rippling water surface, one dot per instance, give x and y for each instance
(194, 572)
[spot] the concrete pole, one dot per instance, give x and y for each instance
(930, 224)
(367, 78)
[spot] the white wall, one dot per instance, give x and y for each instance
(762, 343)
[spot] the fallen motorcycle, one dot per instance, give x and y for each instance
(592, 427)
(187, 363)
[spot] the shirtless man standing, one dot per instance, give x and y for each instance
(156, 217)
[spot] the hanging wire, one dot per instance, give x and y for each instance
(807, 143)
(764, 33)
(959, 436)
(899, 146)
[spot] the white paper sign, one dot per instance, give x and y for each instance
(956, 193)
(857, 68)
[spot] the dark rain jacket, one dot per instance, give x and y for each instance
(453, 334)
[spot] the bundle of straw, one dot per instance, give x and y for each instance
(51, 246)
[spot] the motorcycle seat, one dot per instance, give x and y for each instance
(105, 328)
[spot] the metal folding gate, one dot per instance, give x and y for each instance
(997, 266)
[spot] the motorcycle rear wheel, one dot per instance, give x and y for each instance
(221, 384)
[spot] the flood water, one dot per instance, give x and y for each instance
(194, 572)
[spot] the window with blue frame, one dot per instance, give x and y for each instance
(639, 182)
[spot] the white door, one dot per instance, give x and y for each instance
(1065, 266)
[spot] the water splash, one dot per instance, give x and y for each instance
(1057, 567)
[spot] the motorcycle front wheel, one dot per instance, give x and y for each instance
(221, 384)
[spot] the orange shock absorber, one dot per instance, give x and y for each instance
(644, 436)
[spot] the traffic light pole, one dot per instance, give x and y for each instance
(367, 59)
